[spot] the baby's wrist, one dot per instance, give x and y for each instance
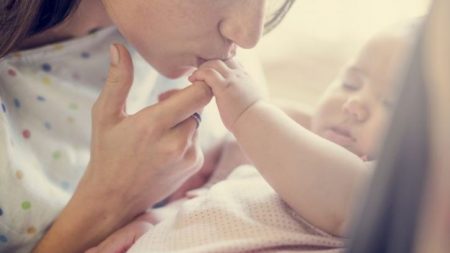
(245, 116)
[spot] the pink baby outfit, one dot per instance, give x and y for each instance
(240, 214)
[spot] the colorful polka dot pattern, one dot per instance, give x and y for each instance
(26, 205)
(47, 81)
(26, 134)
(46, 70)
(47, 125)
(19, 174)
(56, 155)
(12, 72)
(31, 230)
(44, 79)
(47, 67)
(17, 103)
(3, 239)
(85, 55)
(73, 106)
(65, 185)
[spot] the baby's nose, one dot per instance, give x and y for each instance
(357, 109)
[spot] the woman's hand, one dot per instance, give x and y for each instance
(200, 178)
(142, 157)
(121, 240)
(136, 160)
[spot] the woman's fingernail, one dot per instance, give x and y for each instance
(114, 54)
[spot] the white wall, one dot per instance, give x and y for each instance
(303, 54)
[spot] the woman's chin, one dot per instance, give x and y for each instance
(177, 72)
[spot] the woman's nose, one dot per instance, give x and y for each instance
(356, 109)
(244, 25)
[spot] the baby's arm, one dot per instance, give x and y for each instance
(300, 113)
(317, 178)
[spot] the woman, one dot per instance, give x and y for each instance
(54, 170)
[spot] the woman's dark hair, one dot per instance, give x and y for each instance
(276, 16)
(20, 19)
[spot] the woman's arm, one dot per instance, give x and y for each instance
(136, 160)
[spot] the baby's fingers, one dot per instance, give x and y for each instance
(233, 64)
(211, 77)
(218, 65)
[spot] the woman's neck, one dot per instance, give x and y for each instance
(89, 16)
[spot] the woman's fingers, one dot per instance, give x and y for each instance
(113, 97)
(163, 96)
(182, 137)
(187, 128)
(181, 105)
(121, 240)
(167, 94)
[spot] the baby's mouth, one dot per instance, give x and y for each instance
(340, 136)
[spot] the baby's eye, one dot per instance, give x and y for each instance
(351, 86)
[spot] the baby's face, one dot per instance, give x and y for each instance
(356, 108)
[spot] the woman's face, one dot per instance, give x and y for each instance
(176, 36)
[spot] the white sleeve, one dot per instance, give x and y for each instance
(28, 201)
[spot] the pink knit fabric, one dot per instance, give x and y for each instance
(240, 214)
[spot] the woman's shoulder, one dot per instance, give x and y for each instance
(74, 45)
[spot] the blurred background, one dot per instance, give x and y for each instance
(306, 51)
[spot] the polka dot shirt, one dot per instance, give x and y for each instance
(46, 95)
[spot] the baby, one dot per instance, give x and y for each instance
(305, 179)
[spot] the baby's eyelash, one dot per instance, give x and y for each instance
(350, 86)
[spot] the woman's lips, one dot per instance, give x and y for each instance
(225, 56)
(200, 61)
(339, 136)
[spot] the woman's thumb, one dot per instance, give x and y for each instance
(119, 81)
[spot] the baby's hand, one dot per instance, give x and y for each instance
(233, 88)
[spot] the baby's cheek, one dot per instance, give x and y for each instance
(370, 141)
(321, 118)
